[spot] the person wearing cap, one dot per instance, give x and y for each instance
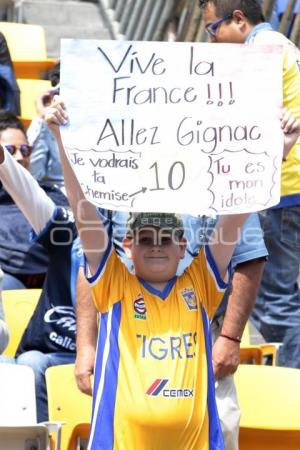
(227, 324)
(153, 381)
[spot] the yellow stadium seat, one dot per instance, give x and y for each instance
(246, 335)
(25, 42)
(27, 47)
(67, 404)
(79, 437)
(33, 69)
(30, 91)
(256, 354)
(269, 399)
(18, 306)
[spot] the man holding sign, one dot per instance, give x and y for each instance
(277, 308)
(154, 384)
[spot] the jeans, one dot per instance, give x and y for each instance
(227, 401)
(39, 362)
(4, 333)
(278, 303)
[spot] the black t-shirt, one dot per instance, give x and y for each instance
(52, 327)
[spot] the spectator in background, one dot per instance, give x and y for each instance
(277, 307)
(4, 335)
(49, 339)
(23, 262)
(281, 7)
(45, 160)
(9, 89)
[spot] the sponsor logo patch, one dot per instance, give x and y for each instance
(158, 389)
(139, 308)
(189, 298)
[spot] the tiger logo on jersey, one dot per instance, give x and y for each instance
(139, 308)
(189, 297)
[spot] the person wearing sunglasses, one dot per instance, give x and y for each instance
(277, 306)
(24, 263)
(49, 338)
(15, 141)
(22, 152)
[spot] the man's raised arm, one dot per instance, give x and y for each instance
(23, 188)
(228, 228)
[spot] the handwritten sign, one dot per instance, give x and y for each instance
(174, 127)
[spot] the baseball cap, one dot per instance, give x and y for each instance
(166, 221)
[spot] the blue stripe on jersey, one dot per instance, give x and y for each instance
(211, 261)
(75, 264)
(215, 433)
(102, 264)
(106, 377)
(102, 334)
(161, 294)
(288, 200)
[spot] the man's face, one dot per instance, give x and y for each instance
(12, 136)
(227, 31)
(155, 253)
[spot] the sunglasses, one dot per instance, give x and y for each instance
(212, 27)
(25, 149)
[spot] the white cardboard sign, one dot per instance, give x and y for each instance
(174, 127)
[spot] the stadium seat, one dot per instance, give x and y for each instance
(79, 437)
(33, 69)
(24, 437)
(30, 91)
(18, 308)
(27, 47)
(18, 426)
(246, 335)
(67, 404)
(17, 393)
(258, 354)
(269, 399)
(25, 42)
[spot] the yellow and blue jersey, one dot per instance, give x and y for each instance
(153, 382)
(290, 177)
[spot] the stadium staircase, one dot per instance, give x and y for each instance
(63, 19)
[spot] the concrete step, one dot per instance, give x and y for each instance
(58, 12)
(65, 19)
(54, 34)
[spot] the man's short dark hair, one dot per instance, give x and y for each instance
(9, 120)
(251, 8)
(54, 74)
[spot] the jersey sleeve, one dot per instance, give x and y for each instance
(208, 281)
(251, 244)
(23, 188)
(109, 280)
(291, 81)
(291, 69)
